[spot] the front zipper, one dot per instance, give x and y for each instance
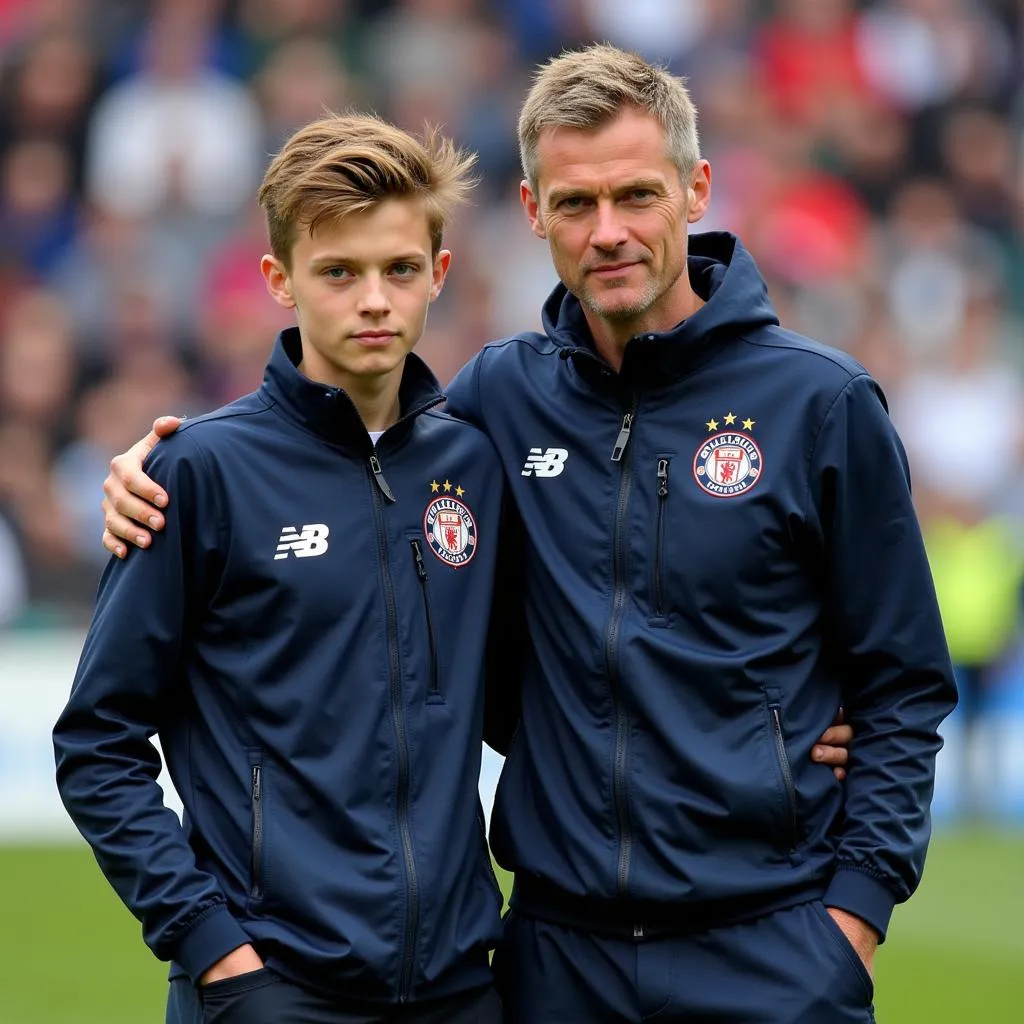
(659, 534)
(256, 889)
(787, 773)
(619, 594)
(402, 801)
(433, 690)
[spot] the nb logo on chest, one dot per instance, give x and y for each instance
(545, 462)
(308, 543)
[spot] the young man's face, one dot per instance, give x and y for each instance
(360, 288)
(614, 211)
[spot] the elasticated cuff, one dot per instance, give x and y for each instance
(214, 936)
(860, 893)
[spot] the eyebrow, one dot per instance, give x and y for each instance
(330, 259)
(654, 184)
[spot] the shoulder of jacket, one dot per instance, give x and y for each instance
(439, 419)
(518, 345)
(832, 367)
(210, 424)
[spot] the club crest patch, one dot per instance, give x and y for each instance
(450, 530)
(729, 462)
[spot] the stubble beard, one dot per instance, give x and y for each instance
(608, 307)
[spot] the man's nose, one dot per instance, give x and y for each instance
(609, 229)
(373, 296)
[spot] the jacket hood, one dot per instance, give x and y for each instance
(721, 271)
(328, 411)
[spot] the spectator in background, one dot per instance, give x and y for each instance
(38, 213)
(176, 135)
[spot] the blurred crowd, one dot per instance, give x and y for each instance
(869, 154)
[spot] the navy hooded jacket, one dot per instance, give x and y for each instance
(721, 550)
(307, 638)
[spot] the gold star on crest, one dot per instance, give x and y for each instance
(447, 486)
(434, 487)
(748, 424)
(712, 425)
(730, 419)
(459, 491)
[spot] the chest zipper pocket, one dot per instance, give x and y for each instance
(658, 556)
(256, 868)
(786, 771)
(434, 695)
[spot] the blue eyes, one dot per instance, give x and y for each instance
(575, 203)
(400, 270)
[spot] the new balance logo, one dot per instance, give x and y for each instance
(545, 462)
(311, 541)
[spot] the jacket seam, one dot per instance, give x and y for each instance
(222, 414)
(222, 532)
(546, 342)
(813, 450)
(761, 342)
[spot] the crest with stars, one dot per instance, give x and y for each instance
(448, 524)
(729, 461)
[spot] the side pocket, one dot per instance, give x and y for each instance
(845, 948)
(434, 695)
(256, 867)
(791, 828)
(658, 554)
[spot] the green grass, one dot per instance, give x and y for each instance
(71, 954)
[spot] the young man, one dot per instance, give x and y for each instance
(307, 638)
(671, 839)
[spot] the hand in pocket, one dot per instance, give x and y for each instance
(241, 999)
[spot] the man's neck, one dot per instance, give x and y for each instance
(377, 408)
(612, 336)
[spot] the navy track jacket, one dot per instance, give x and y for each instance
(307, 636)
(721, 550)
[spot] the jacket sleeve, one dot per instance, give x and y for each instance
(129, 682)
(883, 621)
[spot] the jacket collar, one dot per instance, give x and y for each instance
(328, 411)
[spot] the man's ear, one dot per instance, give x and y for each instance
(279, 282)
(531, 207)
(442, 261)
(698, 192)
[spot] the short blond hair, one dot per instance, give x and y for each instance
(347, 163)
(588, 88)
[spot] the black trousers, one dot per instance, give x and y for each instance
(263, 997)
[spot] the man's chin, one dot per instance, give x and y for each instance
(620, 309)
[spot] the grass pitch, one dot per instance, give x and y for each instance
(71, 954)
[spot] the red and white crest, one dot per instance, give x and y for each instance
(727, 464)
(450, 530)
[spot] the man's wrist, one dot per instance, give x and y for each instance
(242, 960)
(859, 933)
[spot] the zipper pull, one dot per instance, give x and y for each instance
(623, 439)
(421, 569)
(662, 478)
(378, 477)
(257, 783)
